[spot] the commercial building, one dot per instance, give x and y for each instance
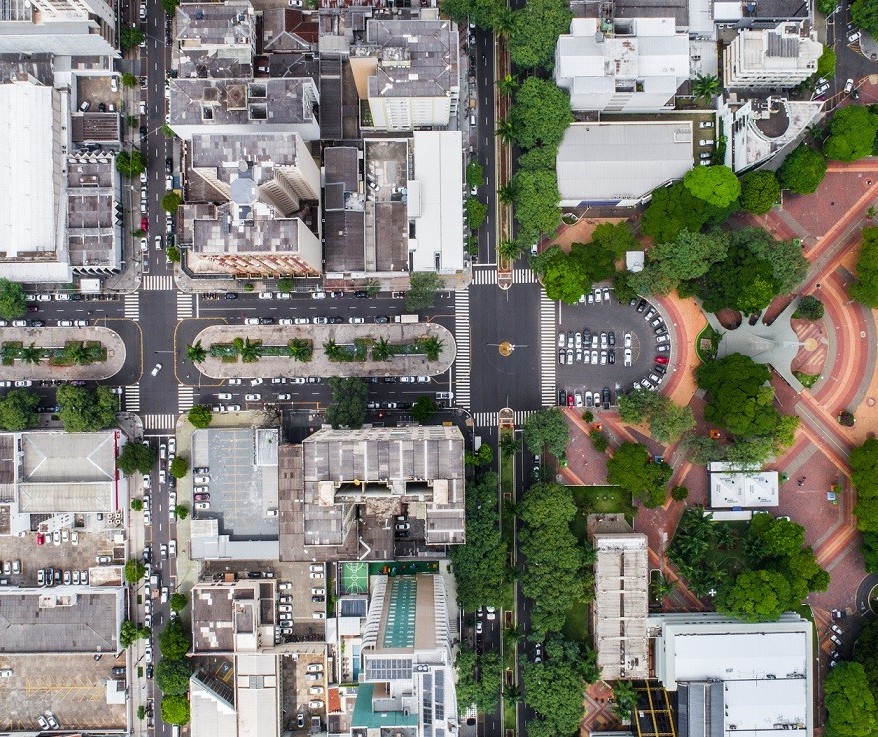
(76, 28)
(406, 679)
(94, 230)
(732, 487)
(395, 207)
(621, 598)
(342, 489)
(630, 65)
(233, 616)
(621, 163)
(252, 206)
(407, 71)
(736, 677)
(768, 58)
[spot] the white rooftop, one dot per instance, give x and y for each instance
(731, 487)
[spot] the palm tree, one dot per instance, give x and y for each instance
(662, 587)
(251, 350)
(331, 349)
(510, 250)
(381, 350)
(300, 350)
(512, 694)
(509, 444)
(507, 85)
(432, 346)
(504, 21)
(196, 352)
(624, 698)
(870, 212)
(505, 130)
(76, 353)
(705, 87)
(506, 194)
(31, 354)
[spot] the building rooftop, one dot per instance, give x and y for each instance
(286, 30)
(93, 237)
(621, 161)
(238, 616)
(64, 619)
(731, 486)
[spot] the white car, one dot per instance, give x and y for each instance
(234, 382)
(302, 321)
(356, 320)
(627, 361)
(156, 369)
(284, 397)
(318, 295)
(252, 397)
(144, 245)
(23, 382)
(251, 321)
(172, 548)
(298, 380)
(285, 321)
(627, 340)
(266, 295)
(254, 382)
(224, 396)
(65, 323)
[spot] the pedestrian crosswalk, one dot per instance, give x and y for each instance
(132, 306)
(159, 422)
(184, 305)
(157, 283)
(132, 398)
(485, 275)
(462, 361)
(547, 350)
(185, 398)
(521, 415)
(485, 419)
(524, 276)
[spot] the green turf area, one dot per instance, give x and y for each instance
(808, 380)
(507, 476)
(354, 578)
(576, 625)
(598, 499)
(708, 333)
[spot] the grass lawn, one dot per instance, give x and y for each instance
(808, 380)
(708, 333)
(600, 499)
(507, 465)
(576, 625)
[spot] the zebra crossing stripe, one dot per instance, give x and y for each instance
(132, 398)
(185, 398)
(547, 350)
(158, 283)
(159, 422)
(485, 276)
(184, 305)
(524, 276)
(462, 360)
(132, 306)
(486, 419)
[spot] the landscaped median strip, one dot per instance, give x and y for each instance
(60, 353)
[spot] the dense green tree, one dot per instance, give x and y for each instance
(196, 352)
(170, 7)
(540, 114)
(865, 289)
(849, 701)
(809, 308)
(632, 468)
(599, 440)
(475, 174)
(171, 201)
(760, 191)
(422, 290)
(554, 691)
(679, 493)
(547, 429)
(130, 36)
(826, 7)
(485, 13)
(480, 564)
(567, 276)
(200, 416)
(539, 157)
(18, 410)
(137, 505)
(181, 511)
(423, 409)
(130, 163)
(13, 301)
(347, 408)
(535, 199)
(851, 133)
(769, 537)
(136, 458)
(130, 632)
(178, 602)
(172, 676)
(802, 171)
(866, 649)
(716, 185)
(535, 31)
(129, 81)
(179, 467)
(174, 640)
(624, 699)
(556, 573)
(864, 14)
(134, 570)
(617, 238)
(175, 709)
(689, 256)
(667, 421)
(826, 62)
(478, 679)
(674, 208)
(863, 461)
(476, 213)
(84, 410)
(755, 596)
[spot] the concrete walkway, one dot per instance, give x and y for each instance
(56, 338)
(320, 365)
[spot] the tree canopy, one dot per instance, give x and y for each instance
(540, 114)
(478, 678)
(556, 573)
(547, 429)
(174, 640)
(84, 410)
(130, 36)
(864, 14)
(18, 410)
(134, 570)
(567, 276)
(422, 290)
(803, 170)
(851, 133)
(179, 467)
(632, 468)
(809, 308)
(535, 31)
(13, 301)
(667, 421)
(760, 191)
(865, 289)
(130, 163)
(755, 596)
(136, 458)
(480, 564)
(675, 208)
(423, 409)
(200, 416)
(476, 213)
(171, 201)
(716, 185)
(172, 676)
(347, 408)
(688, 257)
(175, 709)
(863, 461)
(535, 199)
(849, 701)
(616, 238)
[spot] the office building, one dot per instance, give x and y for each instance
(769, 58)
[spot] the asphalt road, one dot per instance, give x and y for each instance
(482, 139)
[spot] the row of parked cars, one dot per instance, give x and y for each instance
(585, 398)
(55, 577)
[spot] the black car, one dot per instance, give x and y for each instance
(611, 356)
(335, 320)
(147, 554)
(230, 295)
(149, 671)
(37, 323)
(611, 339)
(169, 165)
(641, 306)
(201, 470)
(372, 379)
(660, 330)
(143, 131)
(33, 308)
(659, 369)
(381, 319)
(266, 321)
(390, 379)
(102, 107)
(318, 599)
(586, 338)
(562, 398)
(361, 294)
(119, 670)
(606, 397)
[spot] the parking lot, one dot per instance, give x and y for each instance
(70, 686)
(297, 686)
(602, 323)
(98, 91)
(64, 557)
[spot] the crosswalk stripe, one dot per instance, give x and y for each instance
(185, 398)
(462, 361)
(184, 305)
(486, 419)
(524, 276)
(132, 398)
(132, 306)
(521, 415)
(159, 422)
(485, 276)
(157, 283)
(548, 313)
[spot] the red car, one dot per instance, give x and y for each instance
(202, 497)
(41, 539)
(662, 360)
(144, 224)
(570, 399)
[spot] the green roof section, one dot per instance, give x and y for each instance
(365, 717)
(399, 628)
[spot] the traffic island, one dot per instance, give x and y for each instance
(266, 351)
(61, 354)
